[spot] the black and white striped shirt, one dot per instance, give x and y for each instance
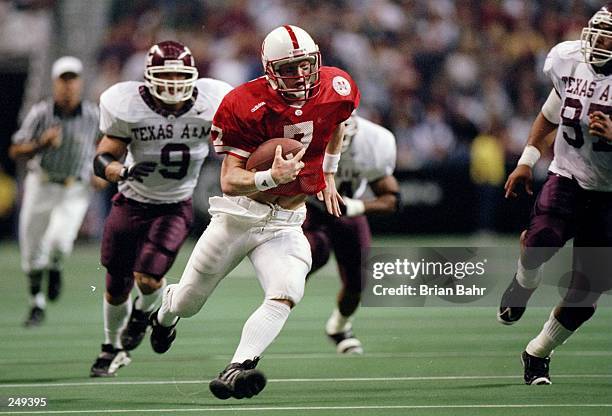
(79, 131)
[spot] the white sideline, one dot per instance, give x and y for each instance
(288, 408)
(295, 380)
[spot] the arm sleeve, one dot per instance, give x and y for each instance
(385, 157)
(112, 125)
(551, 109)
(229, 132)
(31, 127)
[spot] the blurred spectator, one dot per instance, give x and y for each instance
(488, 173)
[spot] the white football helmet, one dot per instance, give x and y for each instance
(291, 44)
(594, 33)
(170, 57)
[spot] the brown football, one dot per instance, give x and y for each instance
(263, 156)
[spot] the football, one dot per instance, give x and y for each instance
(263, 156)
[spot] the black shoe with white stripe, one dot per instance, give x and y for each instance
(162, 337)
(136, 328)
(513, 303)
(238, 380)
(346, 343)
(35, 317)
(109, 361)
(536, 369)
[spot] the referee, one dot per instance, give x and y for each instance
(58, 138)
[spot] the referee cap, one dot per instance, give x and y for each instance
(66, 64)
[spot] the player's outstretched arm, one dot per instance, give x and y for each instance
(537, 144)
(236, 180)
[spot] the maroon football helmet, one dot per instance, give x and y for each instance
(170, 57)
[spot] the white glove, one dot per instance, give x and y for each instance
(352, 207)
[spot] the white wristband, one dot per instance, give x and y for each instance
(264, 180)
(330, 163)
(530, 156)
(354, 207)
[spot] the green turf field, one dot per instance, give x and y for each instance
(418, 361)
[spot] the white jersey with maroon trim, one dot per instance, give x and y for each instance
(178, 143)
(370, 156)
(578, 154)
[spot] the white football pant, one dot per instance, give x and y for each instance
(270, 236)
(49, 220)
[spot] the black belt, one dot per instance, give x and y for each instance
(67, 181)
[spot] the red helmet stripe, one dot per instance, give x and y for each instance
(294, 40)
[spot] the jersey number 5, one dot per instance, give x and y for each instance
(175, 155)
(573, 122)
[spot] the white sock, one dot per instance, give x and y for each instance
(115, 318)
(147, 303)
(164, 316)
(552, 335)
(38, 300)
(529, 279)
(261, 329)
(338, 323)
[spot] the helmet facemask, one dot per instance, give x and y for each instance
(599, 30)
(310, 82)
(171, 91)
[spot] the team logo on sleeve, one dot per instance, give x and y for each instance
(341, 85)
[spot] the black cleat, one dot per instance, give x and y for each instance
(161, 336)
(109, 361)
(535, 369)
(135, 330)
(346, 343)
(35, 318)
(238, 380)
(513, 303)
(55, 285)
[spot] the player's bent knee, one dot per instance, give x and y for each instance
(148, 284)
(539, 246)
(185, 301)
(573, 317)
(119, 285)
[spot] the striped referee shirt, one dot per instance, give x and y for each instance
(79, 132)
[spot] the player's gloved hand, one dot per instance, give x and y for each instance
(137, 171)
(352, 207)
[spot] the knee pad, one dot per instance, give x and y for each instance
(539, 246)
(119, 284)
(290, 286)
(184, 300)
(573, 317)
(154, 260)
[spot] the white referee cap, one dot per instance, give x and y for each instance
(66, 64)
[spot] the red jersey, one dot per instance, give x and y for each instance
(253, 113)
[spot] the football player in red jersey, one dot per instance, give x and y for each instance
(261, 213)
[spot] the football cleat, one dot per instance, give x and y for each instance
(35, 318)
(136, 328)
(109, 361)
(162, 337)
(535, 369)
(55, 284)
(346, 343)
(238, 380)
(513, 303)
